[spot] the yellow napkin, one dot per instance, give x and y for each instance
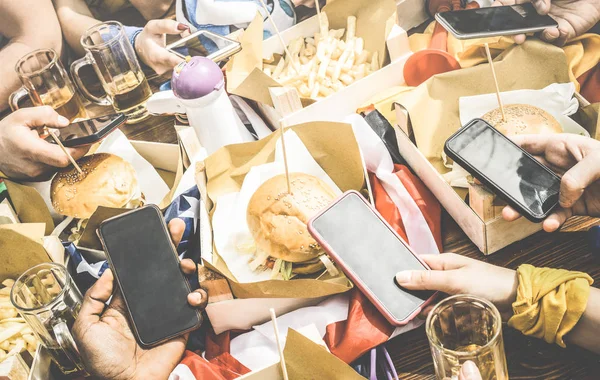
(549, 302)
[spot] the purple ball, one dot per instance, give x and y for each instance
(196, 78)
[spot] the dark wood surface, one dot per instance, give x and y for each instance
(527, 358)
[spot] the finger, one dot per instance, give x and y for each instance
(162, 60)
(541, 6)
(35, 117)
(510, 214)
(188, 266)
(96, 297)
(165, 27)
(176, 230)
(576, 179)
(556, 219)
(550, 34)
(445, 261)
(198, 299)
(534, 144)
(425, 280)
(519, 38)
(51, 154)
(469, 371)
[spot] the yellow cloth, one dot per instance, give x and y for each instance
(549, 302)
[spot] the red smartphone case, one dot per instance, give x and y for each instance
(363, 288)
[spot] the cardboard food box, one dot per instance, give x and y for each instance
(493, 234)
(374, 20)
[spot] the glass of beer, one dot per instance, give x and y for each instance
(462, 328)
(47, 83)
(113, 58)
(49, 301)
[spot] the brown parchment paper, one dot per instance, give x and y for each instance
(245, 77)
(334, 147)
(29, 205)
(433, 106)
(21, 247)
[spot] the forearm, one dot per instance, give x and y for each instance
(585, 333)
(75, 18)
(10, 80)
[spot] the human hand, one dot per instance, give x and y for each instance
(150, 44)
(469, 371)
(26, 155)
(454, 274)
(574, 17)
(105, 341)
(577, 159)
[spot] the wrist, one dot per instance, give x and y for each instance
(132, 33)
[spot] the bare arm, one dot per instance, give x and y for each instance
(585, 333)
(26, 31)
(152, 9)
(75, 18)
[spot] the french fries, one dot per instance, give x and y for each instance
(15, 334)
(329, 61)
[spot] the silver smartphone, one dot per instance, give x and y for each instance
(205, 44)
(495, 21)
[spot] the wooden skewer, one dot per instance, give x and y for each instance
(285, 162)
(318, 6)
(279, 348)
(65, 150)
(489, 57)
(287, 52)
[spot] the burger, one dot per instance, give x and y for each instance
(522, 119)
(107, 180)
(277, 221)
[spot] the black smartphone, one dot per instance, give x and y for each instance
(89, 131)
(370, 252)
(495, 21)
(513, 174)
(146, 267)
(205, 44)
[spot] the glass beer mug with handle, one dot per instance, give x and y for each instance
(113, 58)
(47, 83)
(49, 301)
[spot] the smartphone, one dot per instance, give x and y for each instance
(513, 174)
(370, 252)
(146, 267)
(88, 132)
(495, 21)
(205, 44)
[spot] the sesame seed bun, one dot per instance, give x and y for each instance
(107, 180)
(523, 119)
(277, 220)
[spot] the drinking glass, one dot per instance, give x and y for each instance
(462, 328)
(47, 83)
(49, 301)
(113, 58)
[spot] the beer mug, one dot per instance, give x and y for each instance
(49, 301)
(47, 83)
(113, 58)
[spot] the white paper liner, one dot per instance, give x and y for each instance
(230, 229)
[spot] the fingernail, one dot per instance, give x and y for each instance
(196, 297)
(182, 26)
(403, 277)
(469, 369)
(63, 120)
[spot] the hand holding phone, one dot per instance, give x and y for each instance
(90, 131)
(495, 21)
(205, 44)
(370, 252)
(146, 267)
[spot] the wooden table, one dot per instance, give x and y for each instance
(527, 358)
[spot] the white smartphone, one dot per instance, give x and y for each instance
(205, 44)
(495, 21)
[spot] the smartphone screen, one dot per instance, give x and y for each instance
(366, 246)
(146, 267)
(491, 157)
(89, 131)
(497, 20)
(203, 44)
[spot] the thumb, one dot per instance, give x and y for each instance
(96, 297)
(165, 27)
(576, 179)
(35, 117)
(425, 280)
(469, 371)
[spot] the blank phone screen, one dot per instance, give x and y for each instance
(497, 19)
(147, 268)
(494, 157)
(372, 252)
